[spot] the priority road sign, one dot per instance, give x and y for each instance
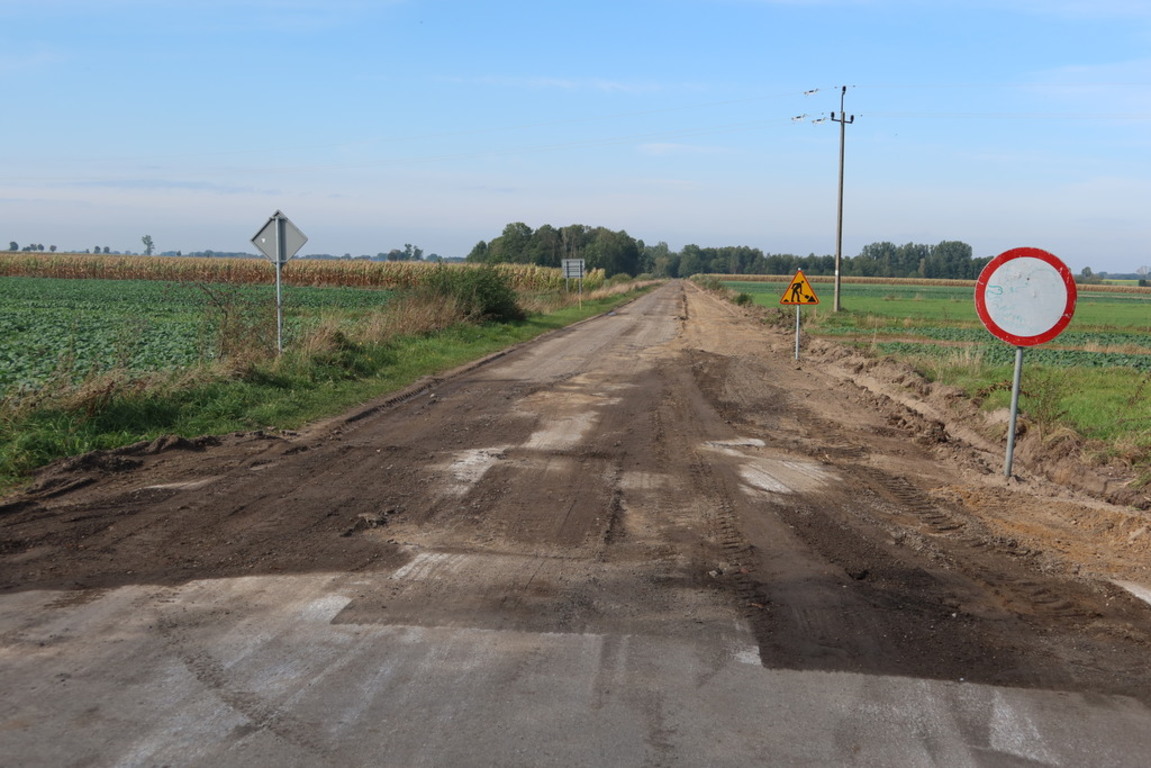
(279, 239)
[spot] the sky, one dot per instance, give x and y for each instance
(376, 123)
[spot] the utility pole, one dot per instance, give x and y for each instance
(843, 121)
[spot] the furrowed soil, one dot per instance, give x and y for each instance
(656, 470)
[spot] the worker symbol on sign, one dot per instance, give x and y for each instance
(799, 292)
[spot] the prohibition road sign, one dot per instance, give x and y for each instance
(1025, 296)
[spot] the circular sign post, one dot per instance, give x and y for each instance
(1025, 297)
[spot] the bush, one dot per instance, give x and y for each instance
(482, 293)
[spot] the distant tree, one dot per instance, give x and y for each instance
(479, 252)
(654, 259)
(149, 246)
(878, 259)
(574, 240)
(107, 249)
(949, 260)
(13, 246)
(513, 246)
(547, 246)
(615, 253)
(690, 261)
(52, 248)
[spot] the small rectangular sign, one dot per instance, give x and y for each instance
(573, 269)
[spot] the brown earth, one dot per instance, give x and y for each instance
(665, 461)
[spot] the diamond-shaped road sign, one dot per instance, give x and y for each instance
(279, 239)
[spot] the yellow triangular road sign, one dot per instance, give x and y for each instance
(800, 291)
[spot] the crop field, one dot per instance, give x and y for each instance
(1110, 328)
(53, 328)
(1093, 378)
(351, 273)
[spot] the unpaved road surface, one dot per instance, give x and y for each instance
(653, 539)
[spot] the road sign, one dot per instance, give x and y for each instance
(799, 292)
(573, 269)
(279, 239)
(1025, 296)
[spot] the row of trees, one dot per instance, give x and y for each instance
(14, 246)
(949, 259)
(599, 247)
(619, 253)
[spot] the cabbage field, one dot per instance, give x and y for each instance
(67, 316)
(52, 329)
(1111, 328)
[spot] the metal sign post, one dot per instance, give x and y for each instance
(573, 270)
(279, 240)
(799, 292)
(1025, 297)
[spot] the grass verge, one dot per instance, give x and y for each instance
(335, 371)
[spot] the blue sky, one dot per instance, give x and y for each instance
(372, 124)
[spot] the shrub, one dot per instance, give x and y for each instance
(482, 293)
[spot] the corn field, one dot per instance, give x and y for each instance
(358, 273)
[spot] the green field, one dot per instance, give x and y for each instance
(52, 328)
(1093, 379)
(89, 364)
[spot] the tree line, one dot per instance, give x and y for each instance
(619, 253)
(600, 248)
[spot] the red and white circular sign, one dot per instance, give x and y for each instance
(1025, 296)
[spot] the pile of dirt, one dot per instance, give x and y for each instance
(1060, 458)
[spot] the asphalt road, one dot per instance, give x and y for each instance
(649, 540)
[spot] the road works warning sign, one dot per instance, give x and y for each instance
(799, 292)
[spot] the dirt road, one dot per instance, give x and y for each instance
(653, 539)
